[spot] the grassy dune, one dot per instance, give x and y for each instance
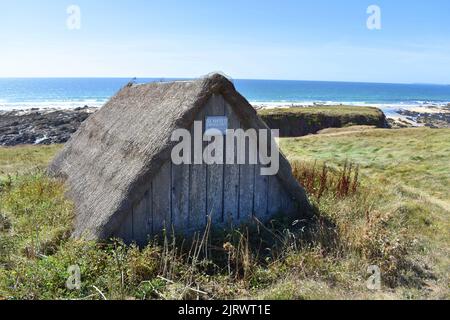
(411, 169)
(296, 122)
(414, 158)
(390, 213)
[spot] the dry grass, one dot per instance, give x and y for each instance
(24, 159)
(361, 220)
(319, 179)
(408, 171)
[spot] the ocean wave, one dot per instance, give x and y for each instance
(97, 103)
(63, 104)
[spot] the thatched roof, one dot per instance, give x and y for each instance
(121, 147)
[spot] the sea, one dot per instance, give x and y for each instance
(64, 93)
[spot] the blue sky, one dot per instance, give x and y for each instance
(284, 39)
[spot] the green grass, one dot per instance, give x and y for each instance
(389, 219)
(22, 159)
(415, 158)
(410, 168)
(328, 110)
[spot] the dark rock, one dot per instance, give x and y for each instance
(40, 127)
(431, 120)
(82, 108)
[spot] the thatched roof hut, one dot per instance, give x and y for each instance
(117, 165)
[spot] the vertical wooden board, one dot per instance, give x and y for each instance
(197, 189)
(247, 185)
(125, 231)
(275, 196)
(197, 198)
(261, 194)
(231, 175)
(161, 199)
(246, 192)
(288, 203)
(280, 201)
(180, 197)
(140, 221)
(215, 172)
(149, 210)
(231, 194)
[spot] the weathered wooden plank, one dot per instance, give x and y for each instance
(197, 198)
(231, 175)
(279, 200)
(288, 204)
(246, 192)
(141, 228)
(126, 229)
(149, 209)
(261, 194)
(161, 199)
(275, 196)
(180, 197)
(197, 188)
(215, 107)
(247, 180)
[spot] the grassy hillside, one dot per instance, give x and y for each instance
(296, 122)
(19, 160)
(391, 212)
(411, 168)
(413, 158)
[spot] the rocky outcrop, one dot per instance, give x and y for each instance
(297, 122)
(429, 119)
(40, 126)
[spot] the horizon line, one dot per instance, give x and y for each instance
(231, 79)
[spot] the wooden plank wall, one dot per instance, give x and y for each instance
(231, 176)
(181, 197)
(197, 191)
(215, 173)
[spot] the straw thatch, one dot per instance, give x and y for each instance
(110, 159)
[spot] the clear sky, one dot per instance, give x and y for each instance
(253, 39)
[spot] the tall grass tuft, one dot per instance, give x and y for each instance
(318, 179)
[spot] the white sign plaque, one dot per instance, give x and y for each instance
(216, 124)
